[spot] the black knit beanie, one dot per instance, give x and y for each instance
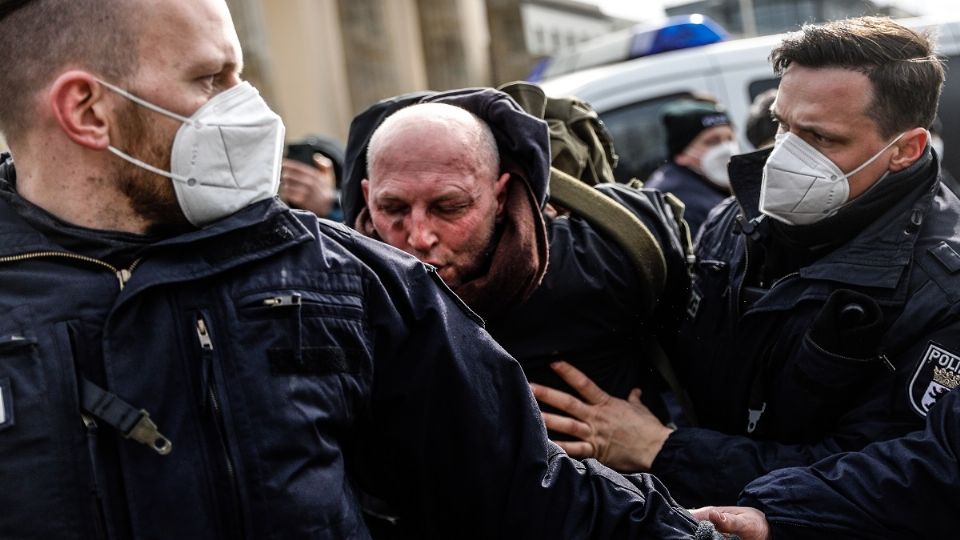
(685, 119)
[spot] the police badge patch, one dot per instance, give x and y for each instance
(937, 374)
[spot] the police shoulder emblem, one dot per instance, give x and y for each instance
(937, 374)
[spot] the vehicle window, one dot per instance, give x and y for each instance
(639, 137)
(758, 87)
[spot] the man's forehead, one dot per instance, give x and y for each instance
(202, 27)
(410, 150)
(423, 184)
(445, 168)
(831, 97)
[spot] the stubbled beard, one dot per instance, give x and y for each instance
(151, 196)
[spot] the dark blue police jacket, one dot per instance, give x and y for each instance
(697, 193)
(901, 488)
(766, 394)
(303, 374)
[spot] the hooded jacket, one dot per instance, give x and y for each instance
(585, 307)
(303, 374)
(778, 381)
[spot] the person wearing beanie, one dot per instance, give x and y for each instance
(700, 141)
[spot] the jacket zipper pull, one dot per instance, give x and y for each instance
(204, 336)
(206, 351)
(290, 300)
(124, 276)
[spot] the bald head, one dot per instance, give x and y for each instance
(41, 38)
(434, 188)
(449, 136)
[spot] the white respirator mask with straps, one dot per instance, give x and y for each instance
(224, 157)
(713, 163)
(802, 186)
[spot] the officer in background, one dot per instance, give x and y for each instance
(700, 141)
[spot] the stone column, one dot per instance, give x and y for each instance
(509, 59)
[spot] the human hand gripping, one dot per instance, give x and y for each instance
(308, 187)
(622, 434)
(745, 522)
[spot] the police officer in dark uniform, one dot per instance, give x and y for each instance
(825, 311)
(700, 142)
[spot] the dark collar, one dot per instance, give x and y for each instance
(255, 231)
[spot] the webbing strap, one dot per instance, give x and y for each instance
(131, 422)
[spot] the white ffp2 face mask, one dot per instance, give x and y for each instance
(224, 157)
(802, 186)
(713, 163)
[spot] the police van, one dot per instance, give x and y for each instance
(630, 95)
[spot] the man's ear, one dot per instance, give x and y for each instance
(909, 149)
(81, 109)
(365, 188)
(500, 191)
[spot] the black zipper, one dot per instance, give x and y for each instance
(100, 516)
(232, 512)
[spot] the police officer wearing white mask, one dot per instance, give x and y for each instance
(700, 141)
(825, 311)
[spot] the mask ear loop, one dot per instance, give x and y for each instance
(127, 157)
(875, 156)
(858, 169)
(146, 104)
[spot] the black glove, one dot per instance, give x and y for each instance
(849, 324)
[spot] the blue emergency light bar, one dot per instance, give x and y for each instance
(677, 32)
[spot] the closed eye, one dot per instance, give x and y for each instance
(452, 209)
(393, 209)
